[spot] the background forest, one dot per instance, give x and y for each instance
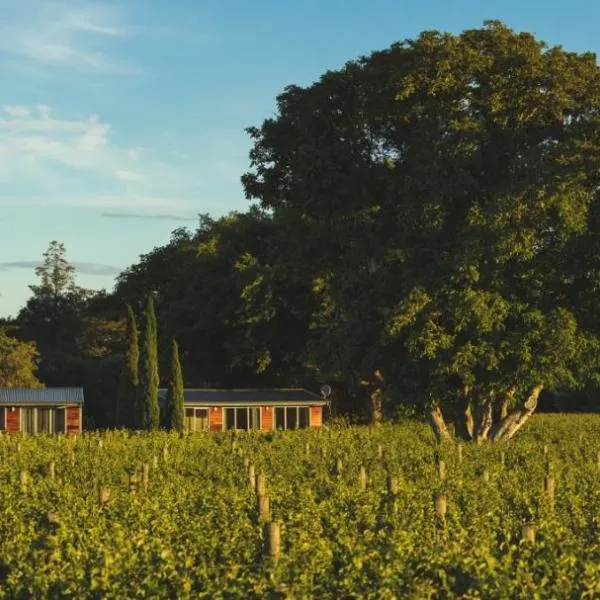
(423, 229)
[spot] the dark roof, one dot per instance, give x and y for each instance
(54, 395)
(245, 397)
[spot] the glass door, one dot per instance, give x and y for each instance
(201, 419)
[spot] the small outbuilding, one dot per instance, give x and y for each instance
(246, 409)
(41, 410)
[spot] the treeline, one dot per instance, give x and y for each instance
(236, 320)
(425, 234)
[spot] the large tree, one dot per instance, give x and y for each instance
(174, 413)
(18, 363)
(439, 194)
(149, 378)
(126, 409)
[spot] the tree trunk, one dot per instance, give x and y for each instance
(463, 418)
(436, 420)
(508, 426)
(375, 406)
(483, 420)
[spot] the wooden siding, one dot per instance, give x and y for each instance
(267, 417)
(316, 419)
(13, 419)
(216, 418)
(73, 419)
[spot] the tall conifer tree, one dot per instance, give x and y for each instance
(127, 396)
(149, 410)
(175, 409)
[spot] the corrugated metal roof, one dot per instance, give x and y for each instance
(53, 395)
(237, 396)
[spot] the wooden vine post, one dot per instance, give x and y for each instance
(264, 509)
(441, 506)
(442, 469)
(261, 484)
(103, 496)
(145, 475)
(271, 541)
(24, 480)
(362, 479)
(528, 534)
(392, 485)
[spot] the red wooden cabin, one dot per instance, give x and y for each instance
(41, 410)
(221, 410)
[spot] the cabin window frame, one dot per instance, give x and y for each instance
(297, 420)
(257, 410)
(53, 410)
(195, 419)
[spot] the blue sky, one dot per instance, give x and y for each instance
(122, 120)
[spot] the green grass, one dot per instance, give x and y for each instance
(194, 531)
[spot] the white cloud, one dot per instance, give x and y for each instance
(136, 202)
(63, 33)
(50, 160)
(72, 142)
(19, 112)
(125, 175)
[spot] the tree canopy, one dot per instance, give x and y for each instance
(425, 231)
(18, 363)
(439, 192)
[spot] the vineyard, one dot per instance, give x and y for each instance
(349, 512)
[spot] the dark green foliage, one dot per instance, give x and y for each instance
(127, 410)
(440, 194)
(174, 417)
(149, 378)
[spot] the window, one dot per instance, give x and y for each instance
(201, 419)
(45, 420)
(303, 417)
(189, 419)
(241, 416)
(230, 418)
(291, 417)
(279, 417)
(59, 420)
(28, 420)
(254, 418)
(2, 418)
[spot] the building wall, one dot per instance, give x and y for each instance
(73, 419)
(316, 416)
(215, 418)
(13, 419)
(267, 417)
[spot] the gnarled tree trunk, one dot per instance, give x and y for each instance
(508, 426)
(375, 406)
(488, 421)
(463, 418)
(438, 424)
(375, 388)
(483, 420)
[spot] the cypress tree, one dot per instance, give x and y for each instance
(174, 417)
(148, 406)
(126, 409)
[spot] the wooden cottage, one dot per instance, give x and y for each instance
(41, 410)
(221, 410)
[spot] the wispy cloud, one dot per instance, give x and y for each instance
(63, 33)
(53, 160)
(86, 268)
(33, 132)
(125, 175)
(157, 217)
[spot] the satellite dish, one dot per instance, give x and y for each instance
(325, 390)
